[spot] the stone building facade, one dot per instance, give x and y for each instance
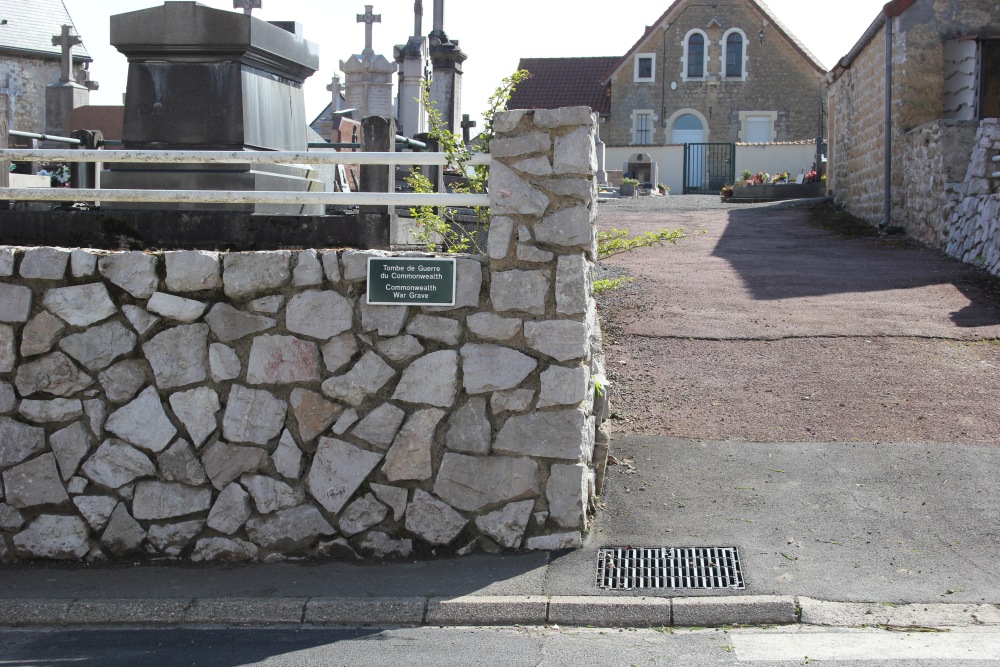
(29, 62)
(943, 100)
(726, 72)
(753, 82)
(252, 406)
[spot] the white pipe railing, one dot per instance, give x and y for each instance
(233, 157)
(239, 197)
(247, 197)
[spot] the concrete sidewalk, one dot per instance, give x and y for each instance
(830, 534)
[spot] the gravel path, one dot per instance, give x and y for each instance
(794, 323)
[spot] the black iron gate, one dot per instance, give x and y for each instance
(708, 167)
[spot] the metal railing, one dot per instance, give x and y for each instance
(996, 160)
(239, 157)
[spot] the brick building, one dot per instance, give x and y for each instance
(723, 72)
(30, 62)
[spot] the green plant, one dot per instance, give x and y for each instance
(746, 175)
(630, 181)
(617, 241)
(607, 284)
(600, 382)
(431, 224)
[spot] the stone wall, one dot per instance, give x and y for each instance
(856, 176)
(974, 221)
(778, 79)
(32, 74)
(856, 99)
(935, 158)
(252, 406)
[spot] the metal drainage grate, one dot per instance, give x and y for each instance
(625, 568)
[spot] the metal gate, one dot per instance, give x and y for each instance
(708, 167)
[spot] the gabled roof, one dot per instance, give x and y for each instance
(31, 24)
(758, 5)
(563, 82)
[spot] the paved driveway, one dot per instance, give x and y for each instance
(793, 324)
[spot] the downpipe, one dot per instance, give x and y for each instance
(885, 226)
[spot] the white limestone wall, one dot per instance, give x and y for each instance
(974, 205)
(251, 406)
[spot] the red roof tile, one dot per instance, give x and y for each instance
(564, 82)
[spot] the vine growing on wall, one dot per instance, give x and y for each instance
(437, 226)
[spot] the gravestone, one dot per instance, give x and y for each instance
(209, 79)
(413, 59)
(368, 81)
(447, 58)
(66, 94)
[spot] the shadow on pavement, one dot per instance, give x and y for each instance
(168, 647)
(778, 256)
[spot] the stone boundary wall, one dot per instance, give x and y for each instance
(974, 220)
(252, 407)
(935, 157)
(856, 103)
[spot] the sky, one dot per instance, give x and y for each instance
(493, 41)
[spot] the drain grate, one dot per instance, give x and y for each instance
(625, 568)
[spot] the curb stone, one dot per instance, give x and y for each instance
(488, 610)
(749, 610)
(473, 610)
(856, 614)
(365, 611)
(604, 612)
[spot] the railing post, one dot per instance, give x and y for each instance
(84, 174)
(378, 134)
(4, 165)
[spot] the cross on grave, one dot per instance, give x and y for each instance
(66, 40)
(247, 5)
(466, 126)
(368, 19)
(418, 18)
(336, 88)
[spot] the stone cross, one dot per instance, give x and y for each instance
(336, 88)
(368, 19)
(418, 18)
(439, 16)
(247, 5)
(66, 40)
(467, 125)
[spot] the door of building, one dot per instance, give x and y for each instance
(989, 88)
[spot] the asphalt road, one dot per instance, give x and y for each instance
(511, 647)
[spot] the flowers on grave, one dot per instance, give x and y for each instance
(58, 174)
(727, 191)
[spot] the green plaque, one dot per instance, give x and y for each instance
(409, 281)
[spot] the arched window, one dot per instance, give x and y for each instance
(734, 56)
(733, 61)
(696, 56)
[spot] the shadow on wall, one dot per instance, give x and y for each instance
(780, 259)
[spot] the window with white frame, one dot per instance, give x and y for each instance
(642, 127)
(757, 127)
(695, 63)
(734, 55)
(645, 68)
